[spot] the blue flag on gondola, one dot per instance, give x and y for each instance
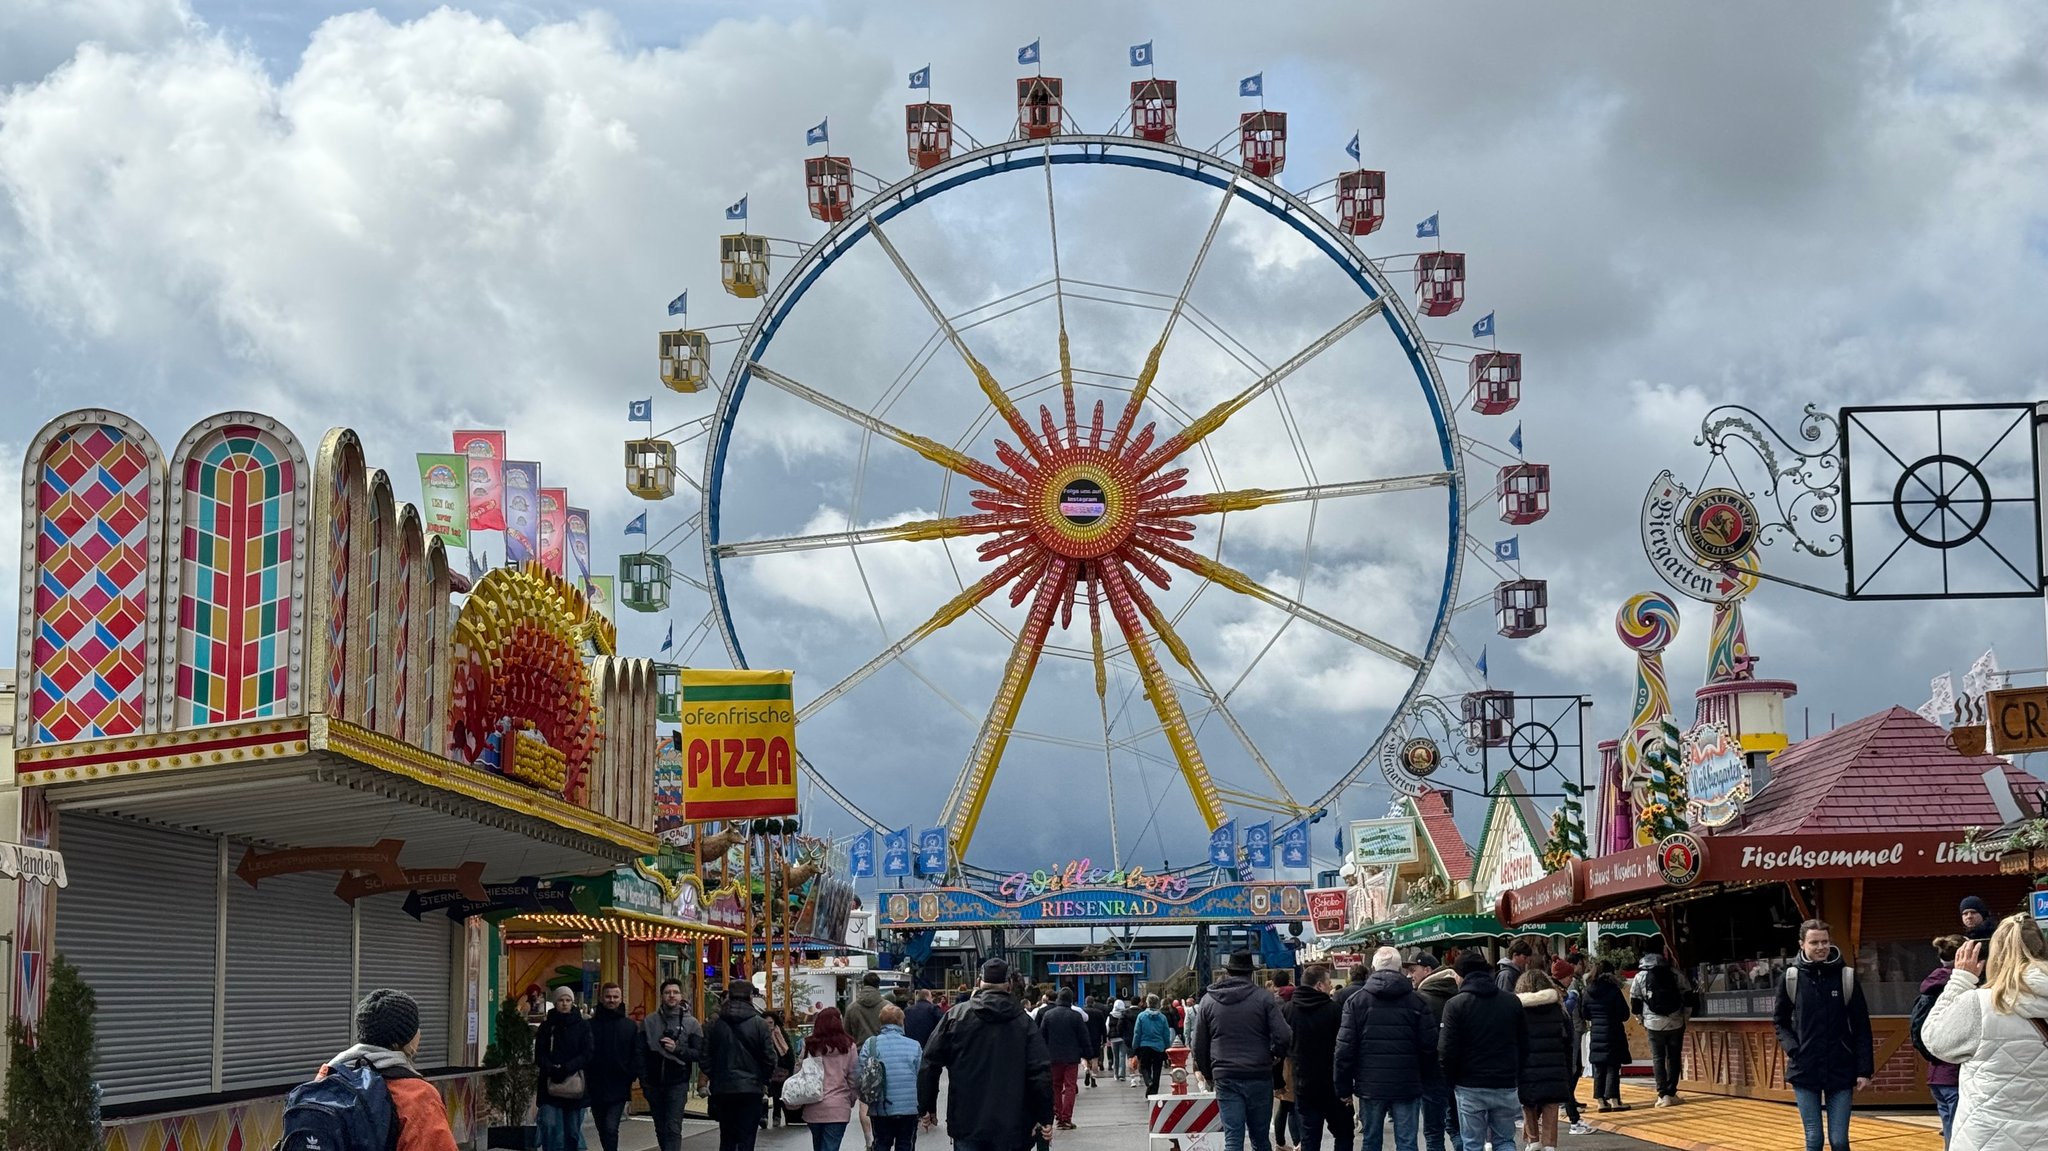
(1223, 844)
(1252, 85)
(1427, 228)
(1516, 439)
(1482, 664)
(1294, 844)
(1351, 149)
(1258, 845)
(737, 211)
(922, 78)
(638, 525)
(669, 641)
(819, 134)
(861, 853)
(1141, 55)
(1484, 327)
(896, 853)
(1509, 550)
(1028, 54)
(931, 851)
(640, 409)
(680, 305)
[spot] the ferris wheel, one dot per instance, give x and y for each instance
(1100, 456)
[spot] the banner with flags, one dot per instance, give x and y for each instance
(603, 596)
(554, 528)
(896, 853)
(579, 540)
(1258, 845)
(522, 510)
(931, 851)
(486, 454)
(444, 499)
(861, 855)
(1223, 844)
(1294, 844)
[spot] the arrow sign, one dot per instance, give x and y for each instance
(523, 894)
(380, 860)
(467, 881)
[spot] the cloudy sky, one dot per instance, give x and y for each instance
(410, 219)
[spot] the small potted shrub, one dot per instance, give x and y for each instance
(509, 1092)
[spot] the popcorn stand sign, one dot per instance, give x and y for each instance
(739, 745)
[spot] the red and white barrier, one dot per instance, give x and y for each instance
(1177, 1115)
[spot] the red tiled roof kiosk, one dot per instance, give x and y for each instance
(1863, 827)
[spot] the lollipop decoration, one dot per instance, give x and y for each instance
(1647, 624)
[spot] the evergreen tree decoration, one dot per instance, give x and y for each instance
(52, 1103)
(510, 1092)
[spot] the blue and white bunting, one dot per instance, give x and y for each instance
(922, 78)
(1427, 228)
(637, 526)
(861, 855)
(1484, 326)
(737, 211)
(1223, 844)
(1141, 55)
(1509, 550)
(1028, 54)
(680, 305)
(1252, 85)
(1351, 149)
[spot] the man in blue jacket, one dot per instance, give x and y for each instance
(895, 1119)
(1239, 1032)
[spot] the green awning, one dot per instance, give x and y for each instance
(1443, 928)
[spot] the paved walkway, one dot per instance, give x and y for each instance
(1720, 1123)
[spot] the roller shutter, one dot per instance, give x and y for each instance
(288, 1005)
(138, 920)
(416, 956)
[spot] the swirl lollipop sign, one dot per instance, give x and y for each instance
(1646, 624)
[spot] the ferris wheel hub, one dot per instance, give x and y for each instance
(1084, 507)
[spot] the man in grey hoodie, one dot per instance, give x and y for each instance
(1239, 1031)
(674, 1041)
(863, 1011)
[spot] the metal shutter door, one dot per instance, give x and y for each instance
(138, 921)
(416, 956)
(288, 979)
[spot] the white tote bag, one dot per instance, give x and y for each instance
(807, 1086)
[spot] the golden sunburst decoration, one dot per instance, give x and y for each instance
(521, 702)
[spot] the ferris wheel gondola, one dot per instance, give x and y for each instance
(1091, 531)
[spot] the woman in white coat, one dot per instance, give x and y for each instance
(1999, 1034)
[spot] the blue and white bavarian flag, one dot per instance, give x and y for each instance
(1427, 228)
(1509, 550)
(1351, 149)
(737, 211)
(922, 78)
(669, 641)
(679, 305)
(1516, 439)
(931, 851)
(1141, 55)
(1028, 54)
(819, 134)
(861, 853)
(1294, 844)
(640, 409)
(1482, 662)
(1258, 845)
(1223, 844)
(1484, 327)
(896, 853)
(1252, 85)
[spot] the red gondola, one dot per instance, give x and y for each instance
(1489, 716)
(1440, 283)
(1522, 607)
(1262, 142)
(1361, 201)
(1524, 493)
(929, 128)
(1152, 110)
(1496, 382)
(1039, 102)
(828, 181)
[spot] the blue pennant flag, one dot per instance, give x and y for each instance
(1223, 844)
(739, 211)
(922, 78)
(640, 409)
(1258, 845)
(638, 526)
(1351, 149)
(669, 641)
(1484, 327)
(1028, 54)
(1509, 550)
(931, 851)
(1516, 439)
(1141, 55)
(1482, 663)
(818, 135)
(1427, 228)
(896, 853)
(1294, 844)
(680, 305)
(1337, 835)
(1252, 85)
(861, 853)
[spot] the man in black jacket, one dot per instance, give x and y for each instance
(1385, 1043)
(1437, 985)
(922, 1017)
(1239, 1032)
(739, 1057)
(1066, 1044)
(614, 1063)
(1824, 1027)
(1314, 1015)
(1001, 1097)
(1482, 1046)
(1355, 983)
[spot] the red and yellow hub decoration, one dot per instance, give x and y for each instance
(522, 701)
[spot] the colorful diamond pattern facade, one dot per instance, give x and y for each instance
(91, 593)
(337, 591)
(234, 614)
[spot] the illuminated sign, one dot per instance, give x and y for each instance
(1059, 967)
(1079, 873)
(949, 907)
(1716, 776)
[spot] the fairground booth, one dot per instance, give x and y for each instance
(1867, 827)
(283, 768)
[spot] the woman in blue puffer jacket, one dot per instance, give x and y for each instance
(1151, 1037)
(895, 1121)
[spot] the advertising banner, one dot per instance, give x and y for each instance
(739, 745)
(896, 854)
(931, 851)
(603, 595)
(579, 540)
(1327, 907)
(668, 788)
(554, 528)
(1379, 842)
(485, 453)
(522, 510)
(444, 498)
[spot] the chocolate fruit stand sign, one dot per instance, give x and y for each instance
(1327, 908)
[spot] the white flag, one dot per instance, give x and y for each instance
(1983, 675)
(1941, 700)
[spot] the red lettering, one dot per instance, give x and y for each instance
(779, 762)
(701, 760)
(757, 750)
(734, 776)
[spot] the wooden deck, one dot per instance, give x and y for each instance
(1724, 1123)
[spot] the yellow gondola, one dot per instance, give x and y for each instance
(685, 360)
(651, 469)
(743, 261)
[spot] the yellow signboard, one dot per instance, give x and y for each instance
(739, 745)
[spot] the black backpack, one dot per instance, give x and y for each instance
(1921, 1007)
(1661, 992)
(348, 1109)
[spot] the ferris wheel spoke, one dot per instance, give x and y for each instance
(1215, 417)
(1244, 499)
(1180, 303)
(989, 387)
(954, 608)
(1229, 577)
(970, 792)
(1173, 721)
(949, 527)
(938, 453)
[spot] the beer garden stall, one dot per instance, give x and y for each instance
(1867, 827)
